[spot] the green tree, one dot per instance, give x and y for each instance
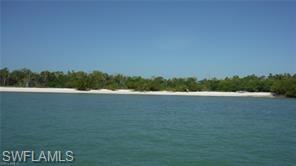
(79, 80)
(4, 74)
(97, 80)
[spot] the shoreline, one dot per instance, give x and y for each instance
(131, 92)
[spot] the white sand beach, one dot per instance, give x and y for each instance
(131, 92)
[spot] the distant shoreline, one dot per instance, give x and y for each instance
(131, 92)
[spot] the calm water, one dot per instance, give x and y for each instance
(152, 130)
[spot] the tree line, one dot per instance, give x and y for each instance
(279, 84)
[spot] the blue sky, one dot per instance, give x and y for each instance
(202, 39)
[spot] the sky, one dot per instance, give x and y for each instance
(150, 38)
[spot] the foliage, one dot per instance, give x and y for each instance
(279, 84)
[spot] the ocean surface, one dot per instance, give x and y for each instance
(131, 130)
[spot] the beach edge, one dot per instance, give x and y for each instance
(132, 92)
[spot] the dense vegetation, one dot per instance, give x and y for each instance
(279, 84)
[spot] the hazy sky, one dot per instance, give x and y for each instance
(202, 39)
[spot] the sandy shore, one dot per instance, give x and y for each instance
(131, 92)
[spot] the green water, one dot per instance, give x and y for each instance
(152, 130)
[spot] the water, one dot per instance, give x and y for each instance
(152, 130)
